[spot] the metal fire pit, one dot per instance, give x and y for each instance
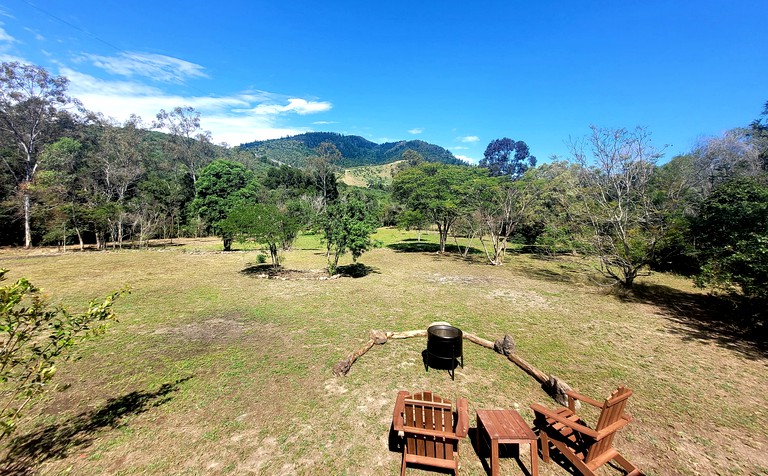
(444, 348)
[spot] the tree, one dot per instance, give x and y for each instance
(440, 192)
(347, 226)
(498, 158)
(731, 234)
(217, 194)
(31, 103)
(187, 140)
(263, 223)
(119, 164)
(759, 134)
(34, 337)
(502, 206)
(719, 159)
(324, 166)
(623, 219)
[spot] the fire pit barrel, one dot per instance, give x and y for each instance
(444, 348)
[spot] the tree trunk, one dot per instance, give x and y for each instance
(27, 229)
(80, 238)
(275, 258)
(120, 231)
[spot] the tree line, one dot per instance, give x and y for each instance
(72, 177)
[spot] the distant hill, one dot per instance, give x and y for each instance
(355, 150)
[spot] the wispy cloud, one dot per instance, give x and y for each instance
(7, 46)
(238, 118)
(153, 66)
(416, 130)
(469, 139)
(34, 33)
(323, 123)
(4, 36)
(459, 147)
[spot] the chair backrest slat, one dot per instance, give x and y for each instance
(429, 411)
(613, 410)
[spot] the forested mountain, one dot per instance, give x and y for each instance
(355, 150)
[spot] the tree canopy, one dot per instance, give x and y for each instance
(440, 192)
(506, 157)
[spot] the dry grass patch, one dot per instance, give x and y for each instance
(213, 371)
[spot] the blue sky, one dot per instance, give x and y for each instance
(458, 74)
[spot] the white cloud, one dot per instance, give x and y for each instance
(4, 36)
(416, 130)
(469, 139)
(459, 147)
(299, 106)
(469, 160)
(234, 119)
(322, 123)
(157, 67)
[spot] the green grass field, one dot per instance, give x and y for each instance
(213, 369)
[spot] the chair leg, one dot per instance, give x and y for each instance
(628, 467)
(402, 468)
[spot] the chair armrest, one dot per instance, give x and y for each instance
(397, 416)
(611, 429)
(584, 430)
(462, 424)
(574, 395)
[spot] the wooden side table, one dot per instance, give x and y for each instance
(505, 427)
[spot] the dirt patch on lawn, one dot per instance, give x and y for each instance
(209, 330)
(456, 280)
(528, 299)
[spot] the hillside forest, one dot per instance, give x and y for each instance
(75, 179)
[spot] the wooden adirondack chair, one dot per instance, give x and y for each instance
(585, 448)
(426, 421)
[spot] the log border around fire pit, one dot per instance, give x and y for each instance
(554, 386)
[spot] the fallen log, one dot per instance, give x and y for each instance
(479, 341)
(530, 369)
(407, 334)
(554, 386)
(342, 367)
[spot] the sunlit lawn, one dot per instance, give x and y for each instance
(213, 370)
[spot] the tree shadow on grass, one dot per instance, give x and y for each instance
(734, 324)
(260, 269)
(428, 247)
(27, 452)
(560, 269)
(356, 270)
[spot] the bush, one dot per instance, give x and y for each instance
(33, 338)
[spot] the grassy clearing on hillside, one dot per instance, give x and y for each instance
(213, 370)
(366, 175)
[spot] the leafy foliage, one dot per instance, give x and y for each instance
(33, 338)
(443, 193)
(498, 158)
(217, 190)
(263, 223)
(347, 226)
(732, 235)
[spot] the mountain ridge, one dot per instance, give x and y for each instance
(355, 150)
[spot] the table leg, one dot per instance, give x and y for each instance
(534, 458)
(494, 457)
